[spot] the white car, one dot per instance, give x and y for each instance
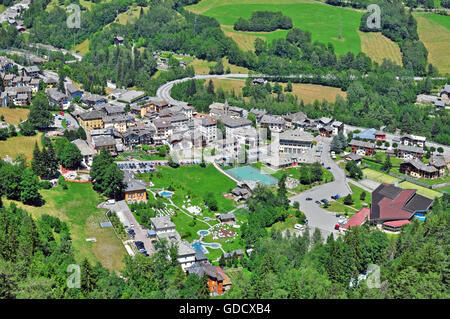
(110, 202)
(298, 227)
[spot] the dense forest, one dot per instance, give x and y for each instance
(264, 21)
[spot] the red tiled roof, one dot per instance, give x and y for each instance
(358, 219)
(397, 223)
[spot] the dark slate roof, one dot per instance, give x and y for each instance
(393, 203)
(418, 203)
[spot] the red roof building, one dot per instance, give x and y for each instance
(358, 219)
(395, 225)
(391, 203)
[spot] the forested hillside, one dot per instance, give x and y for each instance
(35, 254)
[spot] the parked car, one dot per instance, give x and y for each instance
(110, 202)
(298, 227)
(337, 226)
(324, 201)
(318, 203)
(308, 198)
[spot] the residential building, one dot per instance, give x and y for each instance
(31, 71)
(380, 136)
(91, 120)
(416, 168)
(207, 127)
(274, 123)
(105, 142)
(362, 148)
(295, 141)
(92, 99)
(409, 151)
(415, 140)
(164, 129)
(233, 124)
(186, 255)
(135, 190)
(86, 151)
(229, 219)
(56, 97)
(215, 278)
(73, 91)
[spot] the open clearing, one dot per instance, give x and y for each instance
(385, 178)
(377, 47)
(306, 92)
(434, 32)
(322, 20)
(78, 207)
(202, 66)
(14, 116)
(17, 145)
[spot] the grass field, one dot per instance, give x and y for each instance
(17, 145)
(83, 47)
(430, 193)
(385, 178)
(78, 207)
(196, 182)
(434, 32)
(202, 66)
(324, 21)
(14, 116)
(377, 47)
(306, 92)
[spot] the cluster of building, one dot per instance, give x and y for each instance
(18, 89)
(190, 260)
(410, 148)
(11, 13)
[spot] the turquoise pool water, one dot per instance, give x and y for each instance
(250, 173)
(166, 194)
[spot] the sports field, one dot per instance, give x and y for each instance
(434, 32)
(324, 21)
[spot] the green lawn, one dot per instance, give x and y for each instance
(385, 178)
(430, 193)
(356, 193)
(78, 207)
(196, 182)
(323, 21)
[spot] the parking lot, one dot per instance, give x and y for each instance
(137, 167)
(70, 121)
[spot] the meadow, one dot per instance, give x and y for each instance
(306, 92)
(78, 207)
(324, 21)
(14, 116)
(18, 145)
(434, 32)
(378, 47)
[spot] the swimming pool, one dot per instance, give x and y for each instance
(250, 173)
(200, 246)
(203, 232)
(165, 194)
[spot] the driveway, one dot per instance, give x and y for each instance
(141, 232)
(317, 216)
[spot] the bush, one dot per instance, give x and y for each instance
(45, 184)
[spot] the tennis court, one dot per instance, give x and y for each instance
(250, 173)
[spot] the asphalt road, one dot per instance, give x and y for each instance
(317, 216)
(141, 233)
